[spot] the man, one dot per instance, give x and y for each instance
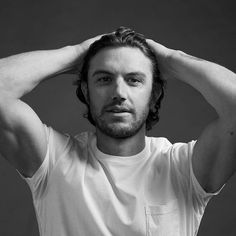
(117, 181)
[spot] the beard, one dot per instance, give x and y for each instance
(118, 128)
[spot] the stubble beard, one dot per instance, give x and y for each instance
(117, 130)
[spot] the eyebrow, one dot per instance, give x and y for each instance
(97, 72)
(136, 73)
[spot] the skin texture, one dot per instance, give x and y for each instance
(119, 78)
(23, 139)
(214, 154)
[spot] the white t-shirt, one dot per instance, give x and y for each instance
(80, 191)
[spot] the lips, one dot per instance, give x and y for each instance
(118, 109)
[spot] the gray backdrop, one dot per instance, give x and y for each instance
(202, 28)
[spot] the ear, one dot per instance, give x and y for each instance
(84, 88)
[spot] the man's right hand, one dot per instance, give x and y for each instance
(80, 51)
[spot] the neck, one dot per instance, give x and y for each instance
(121, 147)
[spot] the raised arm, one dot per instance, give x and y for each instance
(22, 135)
(215, 151)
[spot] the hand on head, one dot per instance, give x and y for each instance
(160, 51)
(84, 46)
(80, 51)
(163, 54)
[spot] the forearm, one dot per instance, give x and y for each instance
(19, 74)
(216, 83)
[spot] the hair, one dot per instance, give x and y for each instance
(124, 37)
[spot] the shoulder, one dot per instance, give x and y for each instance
(177, 151)
(166, 144)
(59, 138)
(159, 143)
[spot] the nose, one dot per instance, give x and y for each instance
(119, 91)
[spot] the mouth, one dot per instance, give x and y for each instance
(115, 111)
(118, 110)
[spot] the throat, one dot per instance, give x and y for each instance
(120, 147)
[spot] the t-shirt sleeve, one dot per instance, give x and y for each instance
(57, 144)
(181, 155)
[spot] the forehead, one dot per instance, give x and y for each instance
(121, 60)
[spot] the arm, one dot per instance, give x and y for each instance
(214, 159)
(22, 135)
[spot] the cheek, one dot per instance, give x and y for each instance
(97, 98)
(142, 99)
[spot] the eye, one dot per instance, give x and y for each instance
(104, 79)
(133, 81)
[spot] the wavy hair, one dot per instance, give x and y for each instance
(125, 37)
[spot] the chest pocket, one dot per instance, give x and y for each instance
(162, 220)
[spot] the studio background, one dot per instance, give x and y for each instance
(201, 28)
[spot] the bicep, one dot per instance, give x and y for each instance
(22, 136)
(214, 154)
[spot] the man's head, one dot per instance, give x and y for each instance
(120, 83)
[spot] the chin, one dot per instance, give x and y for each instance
(120, 131)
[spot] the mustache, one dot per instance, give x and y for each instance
(117, 105)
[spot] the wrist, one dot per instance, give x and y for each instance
(173, 54)
(75, 50)
(67, 59)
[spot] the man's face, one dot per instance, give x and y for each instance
(119, 90)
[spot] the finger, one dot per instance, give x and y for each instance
(160, 50)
